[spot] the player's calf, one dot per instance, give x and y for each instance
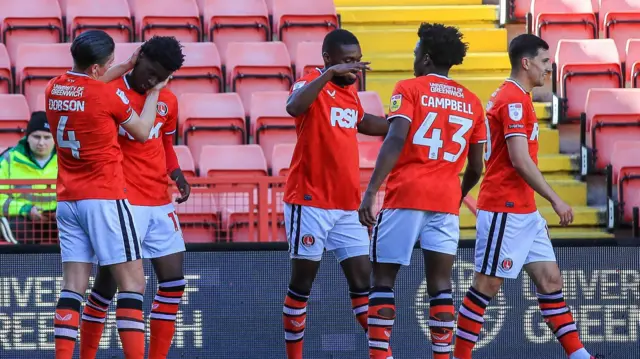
(163, 316)
(441, 316)
(382, 315)
(67, 319)
(94, 316)
(294, 318)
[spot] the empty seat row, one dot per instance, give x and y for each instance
(249, 67)
(41, 21)
(623, 175)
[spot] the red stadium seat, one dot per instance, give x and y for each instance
(555, 20)
(270, 122)
(6, 85)
(36, 64)
(199, 216)
(580, 66)
(308, 58)
(232, 161)
(33, 21)
(620, 21)
(258, 66)
(14, 116)
(281, 158)
(236, 21)
(298, 21)
(179, 18)
(210, 118)
(187, 165)
(372, 105)
(632, 62)
(124, 50)
(368, 152)
(240, 217)
(39, 104)
(111, 16)
(519, 9)
(626, 173)
(611, 115)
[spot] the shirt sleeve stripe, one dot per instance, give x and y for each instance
(401, 116)
(514, 134)
(482, 141)
(128, 119)
(170, 133)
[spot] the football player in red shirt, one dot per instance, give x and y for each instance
(323, 187)
(511, 233)
(435, 124)
(155, 218)
(94, 217)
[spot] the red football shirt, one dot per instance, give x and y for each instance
(85, 114)
(445, 117)
(324, 170)
(510, 112)
(144, 164)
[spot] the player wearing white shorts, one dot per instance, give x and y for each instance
(435, 124)
(94, 218)
(511, 233)
(323, 187)
(146, 168)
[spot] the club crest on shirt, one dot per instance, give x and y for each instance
(396, 101)
(507, 264)
(162, 108)
(515, 111)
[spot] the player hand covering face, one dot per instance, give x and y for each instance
(148, 191)
(323, 187)
(94, 218)
(435, 124)
(511, 233)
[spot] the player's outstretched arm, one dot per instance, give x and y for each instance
(372, 125)
(301, 99)
(473, 172)
(117, 71)
(387, 158)
(527, 169)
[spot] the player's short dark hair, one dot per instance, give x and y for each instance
(337, 38)
(443, 44)
(165, 50)
(92, 47)
(525, 45)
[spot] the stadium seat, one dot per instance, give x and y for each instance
(298, 21)
(36, 64)
(179, 18)
(632, 62)
(281, 158)
(33, 21)
(201, 71)
(555, 20)
(308, 58)
(210, 118)
(218, 161)
(187, 165)
(111, 16)
(582, 65)
(14, 116)
(200, 215)
(620, 21)
(257, 66)
(239, 213)
(236, 21)
(270, 122)
(39, 104)
(625, 166)
(124, 50)
(611, 115)
(519, 9)
(372, 105)
(368, 152)
(6, 85)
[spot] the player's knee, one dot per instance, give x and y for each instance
(487, 285)
(550, 282)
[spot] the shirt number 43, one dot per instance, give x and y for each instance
(435, 142)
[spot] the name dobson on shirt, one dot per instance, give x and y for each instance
(66, 105)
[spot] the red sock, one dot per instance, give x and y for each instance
(558, 317)
(294, 317)
(441, 315)
(470, 320)
(66, 322)
(163, 317)
(360, 305)
(93, 318)
(382, 314)
(130, 324)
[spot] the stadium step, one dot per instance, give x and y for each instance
(573, 192)
(405, 2)
(556, 233)
(543, 110)
(392, 39)
(452, 14)
(583, 216)
(494, 64)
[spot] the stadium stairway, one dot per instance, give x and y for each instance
(387, 30)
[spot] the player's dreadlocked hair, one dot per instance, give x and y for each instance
(525, 45)
(443, 44)
(336, 38)
(92, 47)
(165, 50)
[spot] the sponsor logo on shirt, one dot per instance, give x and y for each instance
(345, 118)
(122, 96)
(298, 85)
(396, 101)
(515, 111)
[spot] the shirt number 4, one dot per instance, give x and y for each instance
(435, 142)
(71, 143)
